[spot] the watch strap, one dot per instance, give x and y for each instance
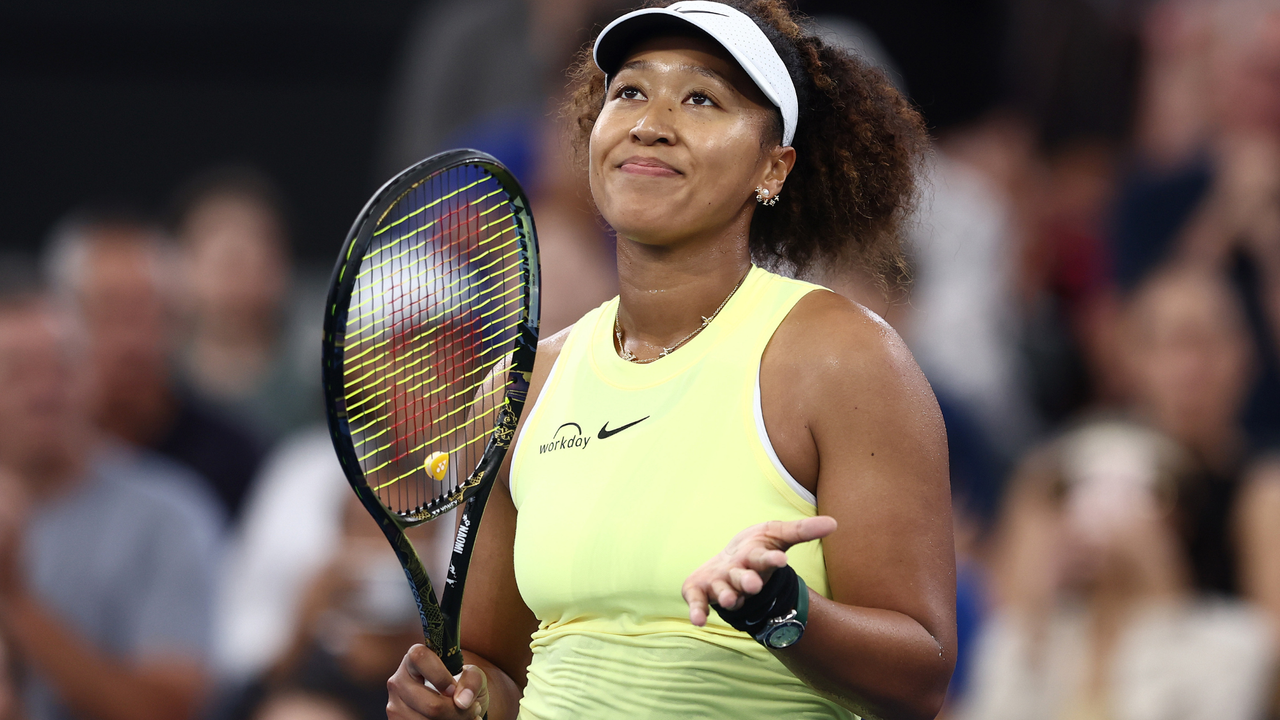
(783, 594)
(802, 602)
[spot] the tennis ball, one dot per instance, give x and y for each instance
(437, 465)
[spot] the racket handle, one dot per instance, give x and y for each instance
(453, 663)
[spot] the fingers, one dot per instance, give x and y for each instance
(745, 581)
(765, 560)
(697, 600)
(784, 534)
(398, 709)
(747, 564)
(730, 591)
(411, 691)
(430, 668)
(472, 687)
(726, 597)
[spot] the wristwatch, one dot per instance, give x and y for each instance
(781, 632)
(786, 630)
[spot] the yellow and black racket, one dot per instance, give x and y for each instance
(430, 333)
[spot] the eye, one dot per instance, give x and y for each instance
(698, 98)
(629, 92)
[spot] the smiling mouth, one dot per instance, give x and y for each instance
(648, 166)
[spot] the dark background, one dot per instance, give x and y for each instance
(123, 101)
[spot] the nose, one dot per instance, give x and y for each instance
(653, 127)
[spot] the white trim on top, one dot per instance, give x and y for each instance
(515, 451)
(799, 489)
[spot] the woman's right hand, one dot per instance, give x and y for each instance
(412, 693)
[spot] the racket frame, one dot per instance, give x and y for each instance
(440, 620)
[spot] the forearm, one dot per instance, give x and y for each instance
(878, 663)
(504, 693)
(92, 684)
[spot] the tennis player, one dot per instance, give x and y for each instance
(730, 497)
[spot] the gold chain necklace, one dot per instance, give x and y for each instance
(629, 356)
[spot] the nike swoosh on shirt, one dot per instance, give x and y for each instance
(606, 432)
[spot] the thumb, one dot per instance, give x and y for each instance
(472, 687)
(786, 534)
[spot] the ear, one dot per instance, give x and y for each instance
(777, 165)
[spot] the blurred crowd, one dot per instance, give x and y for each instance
(1098, 313)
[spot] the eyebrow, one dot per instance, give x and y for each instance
(699, 69)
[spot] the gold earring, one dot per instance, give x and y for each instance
(762, 197)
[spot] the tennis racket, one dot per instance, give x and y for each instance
(430, 333)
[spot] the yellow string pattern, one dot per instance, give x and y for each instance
(438, 298)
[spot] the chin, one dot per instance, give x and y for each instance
(648, 226)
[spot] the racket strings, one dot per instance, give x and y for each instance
(369, 331)
(409, 361)
(437, 302)
(419, 276)
(506, 302)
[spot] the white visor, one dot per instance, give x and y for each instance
(739, 34)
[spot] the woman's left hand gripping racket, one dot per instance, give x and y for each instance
(429, 339)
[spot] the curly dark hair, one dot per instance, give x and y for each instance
(859, 143)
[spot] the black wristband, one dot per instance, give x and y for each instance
(778, 597)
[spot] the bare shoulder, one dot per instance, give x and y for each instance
(550, 346)
(548, 350)
(838, 387)
(829, 342)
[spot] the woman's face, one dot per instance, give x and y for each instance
(681, 145)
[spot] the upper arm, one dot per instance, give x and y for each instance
(879, 458)
(496, 624)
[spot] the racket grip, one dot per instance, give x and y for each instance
(453, 663)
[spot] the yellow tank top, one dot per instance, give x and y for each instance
(627, 478)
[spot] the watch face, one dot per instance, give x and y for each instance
(784, 635)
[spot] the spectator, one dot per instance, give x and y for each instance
(1187, 358)
(441, 96)
(1205, 185)
(118, 274)
(106, 555)
(1097, 616)
(964, 319)
(292, 530)
(234, 265)
(501, 103)
(1067, 279)
(1190, 359)
(356, 618)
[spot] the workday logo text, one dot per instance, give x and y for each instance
(566, 437)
